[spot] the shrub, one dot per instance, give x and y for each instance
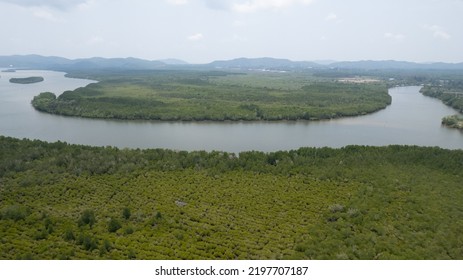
(14, 212)
(87, 242)
(114, 225)
(131, 254)
(129, 230)
(87, 218)
(126, 213)
(41, 234)
(105, 247)
(69, 235)
(48, 224)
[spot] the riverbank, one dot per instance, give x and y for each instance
(455, 121)
(451, 94)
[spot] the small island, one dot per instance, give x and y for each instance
(454, 121)
(28, 80)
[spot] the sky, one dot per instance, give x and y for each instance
(201, 31)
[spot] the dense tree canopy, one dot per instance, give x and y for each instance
(60, 201)
(196, 95)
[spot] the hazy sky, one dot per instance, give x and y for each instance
(205, 30)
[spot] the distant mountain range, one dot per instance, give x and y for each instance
(393, 64)
(263, 63)
(173, 61)
(285, 64)
(60, 63)
(266, 63)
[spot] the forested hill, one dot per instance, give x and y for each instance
(60, 201)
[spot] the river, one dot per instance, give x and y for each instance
(411, 119)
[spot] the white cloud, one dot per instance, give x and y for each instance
(95, 40)
(218, 4)
(178, 2)
(196, 37)
(394, 36)
(255, 5)
(331, 17)
(438, 32)
(44, 13)
(85, 5)
(238, 23)
(56, 4)
(244, 6)
(234, 39)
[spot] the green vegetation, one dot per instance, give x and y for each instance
(451, 93)
(28, 80)
(60, 201)
(87, 218)
(454, 121)
(218, 96)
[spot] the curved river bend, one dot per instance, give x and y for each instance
(412, 119)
